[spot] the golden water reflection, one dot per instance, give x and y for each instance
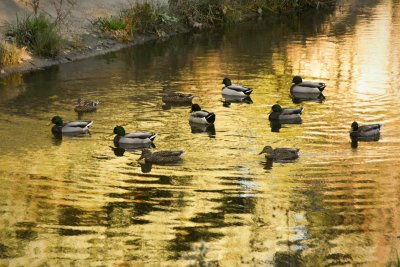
(74, 202)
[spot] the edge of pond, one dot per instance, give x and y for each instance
(100, 47)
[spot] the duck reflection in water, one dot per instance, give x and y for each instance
(146, 166)
(118, 151)
(298, 98)
(202, 128)
(228, 100)
(276, 125)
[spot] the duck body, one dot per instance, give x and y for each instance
(235, 89)
(285, 114)
(282, 154)
(369, 132)
(86, 106)
(178, 98)
(161, 157)
(201, 116)
(73, 127)
(307, 87)
(136, 138)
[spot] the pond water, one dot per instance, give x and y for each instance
(73, 202)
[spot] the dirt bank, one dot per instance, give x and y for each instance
(77, 28)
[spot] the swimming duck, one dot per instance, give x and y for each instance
(86, 106)
(72, 127)
(161, 157)
(280, 154)
(282, 114)
(201, 116)
(178, 98)
(235, 89)
(370, 132)
(137, 138)
(306, 87)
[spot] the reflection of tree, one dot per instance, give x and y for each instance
(208, 224)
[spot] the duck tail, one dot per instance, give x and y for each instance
(89, 123)
(152, 137)
(248, 91)
(321, 87)
(210, 118)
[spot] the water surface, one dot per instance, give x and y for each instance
(73, 202)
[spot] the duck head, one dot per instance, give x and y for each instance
(227, 81)
(267, 149)
(57, 120)
(196, 107)
(145, 154)
(276, 108)
(354, 126)
(297, 80)
(119, 130)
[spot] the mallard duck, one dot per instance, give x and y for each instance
(137, 138)
(285, 114)
(370, 132)
(201, 116)
(86, 106)
(72, 127)
(307, 87)
(161, 157)
(177, 98)
(234, 89)
(280, 154)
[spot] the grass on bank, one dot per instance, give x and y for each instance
(37, 33)
(147, 18)
(10, 54)
(139, 18)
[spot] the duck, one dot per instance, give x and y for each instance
(285, 114)
(178, 98)
(86, 106)
(201, 116)
(306, 87)
(281, 154)
(161, 157)
(234, 89)
(369, 132)
(72, 127)
(137, 138)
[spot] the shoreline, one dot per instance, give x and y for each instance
(103, 46)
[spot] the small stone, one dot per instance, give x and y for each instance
(2, 71)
